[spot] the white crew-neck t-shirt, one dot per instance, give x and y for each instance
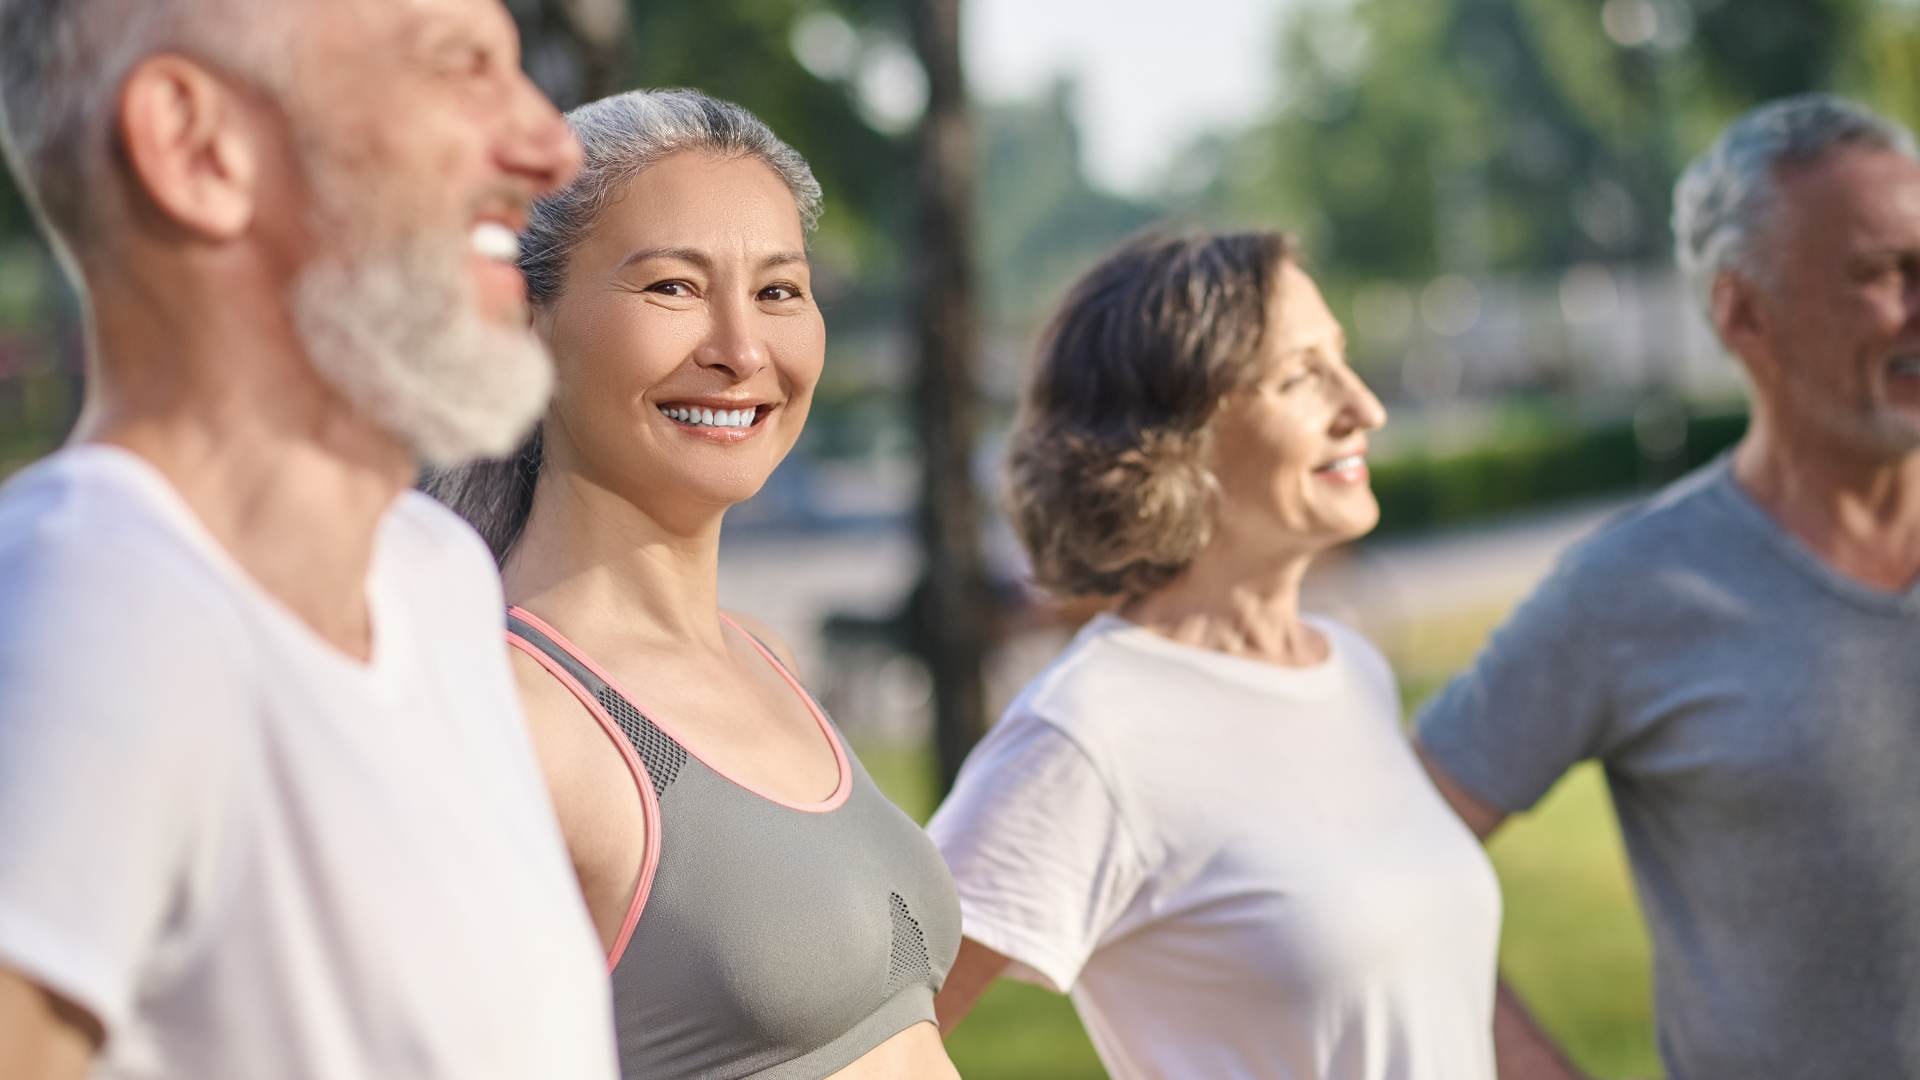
(249, 855)
(1237, 870)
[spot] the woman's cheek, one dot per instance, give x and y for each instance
(800, 352)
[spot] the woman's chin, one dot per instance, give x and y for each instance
(1350, 523)
(687, 496)
(1361, 524)
(725, 496)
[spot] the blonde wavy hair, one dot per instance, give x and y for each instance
(1108, 478)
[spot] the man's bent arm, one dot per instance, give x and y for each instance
(42, 1036)
(1521, 1049)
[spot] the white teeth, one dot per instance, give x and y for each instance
(492, 240)
(720, 418)
(1351, 461)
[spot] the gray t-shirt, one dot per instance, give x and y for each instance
(1758, 715)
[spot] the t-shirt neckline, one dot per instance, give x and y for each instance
(1748, 511)
(159, 494)
(1313, 681)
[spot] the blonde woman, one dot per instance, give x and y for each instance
(1203, 820)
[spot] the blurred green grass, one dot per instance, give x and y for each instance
(1573, 944)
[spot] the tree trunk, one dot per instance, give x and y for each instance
(951, 605)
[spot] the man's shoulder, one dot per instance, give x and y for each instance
(423, 528)
(83, 530)
(438, 555)
(109, 600)
(1674, 527)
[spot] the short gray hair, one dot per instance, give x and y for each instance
(1722, 201)
(622, 136)
(61, 65)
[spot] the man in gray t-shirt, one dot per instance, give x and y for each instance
(1743, 652)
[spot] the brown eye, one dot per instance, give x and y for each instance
(782, 291)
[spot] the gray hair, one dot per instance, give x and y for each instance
(622, 136)
(61, 65)
(1723, 201)
(627, 134)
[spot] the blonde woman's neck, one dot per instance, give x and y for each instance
(1235, 607)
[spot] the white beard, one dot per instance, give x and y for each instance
(397, 335)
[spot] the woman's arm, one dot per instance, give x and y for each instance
(593, 795)
(42, 1036)
(1522, 1049)
(973, 971)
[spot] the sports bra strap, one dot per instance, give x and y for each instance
(662, 754)
(554, 651)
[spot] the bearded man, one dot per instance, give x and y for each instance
(267, 808)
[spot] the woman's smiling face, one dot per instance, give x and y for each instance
(1290, 447)
(686, 339)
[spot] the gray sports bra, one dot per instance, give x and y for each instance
(765, 939)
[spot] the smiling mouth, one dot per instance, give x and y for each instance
(1343, 464)
(495, 241)
(696, 416)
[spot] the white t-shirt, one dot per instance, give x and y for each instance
(246, 854)
(1238, 870)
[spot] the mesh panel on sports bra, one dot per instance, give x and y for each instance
(907, 961)
(660, 754)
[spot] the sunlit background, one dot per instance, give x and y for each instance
(1483, 188)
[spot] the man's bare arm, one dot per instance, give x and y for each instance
(42, 1036)
(1522, 1050)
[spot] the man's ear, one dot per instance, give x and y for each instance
(187, 146)
(1740, 318)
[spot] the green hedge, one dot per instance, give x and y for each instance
(1421, 492)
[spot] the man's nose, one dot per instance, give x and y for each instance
(538, 145)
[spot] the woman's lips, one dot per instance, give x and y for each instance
(723, 424)
(1351, 469)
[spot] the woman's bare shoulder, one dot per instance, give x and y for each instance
(774, 642)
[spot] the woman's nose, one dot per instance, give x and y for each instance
(1361, 411)
(733, 346)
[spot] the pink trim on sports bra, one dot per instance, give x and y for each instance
(649, 801)
(832, 802)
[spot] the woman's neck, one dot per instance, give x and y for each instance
(616, 576)
(1238, 606)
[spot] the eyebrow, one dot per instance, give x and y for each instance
(704, 261)
(1339, 345)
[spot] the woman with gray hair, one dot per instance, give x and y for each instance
(765, 910)
(1203, 820)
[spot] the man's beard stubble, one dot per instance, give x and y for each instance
(389, 321)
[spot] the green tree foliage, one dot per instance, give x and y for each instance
(742, 51)
(1524, 135)
(1041, 220)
